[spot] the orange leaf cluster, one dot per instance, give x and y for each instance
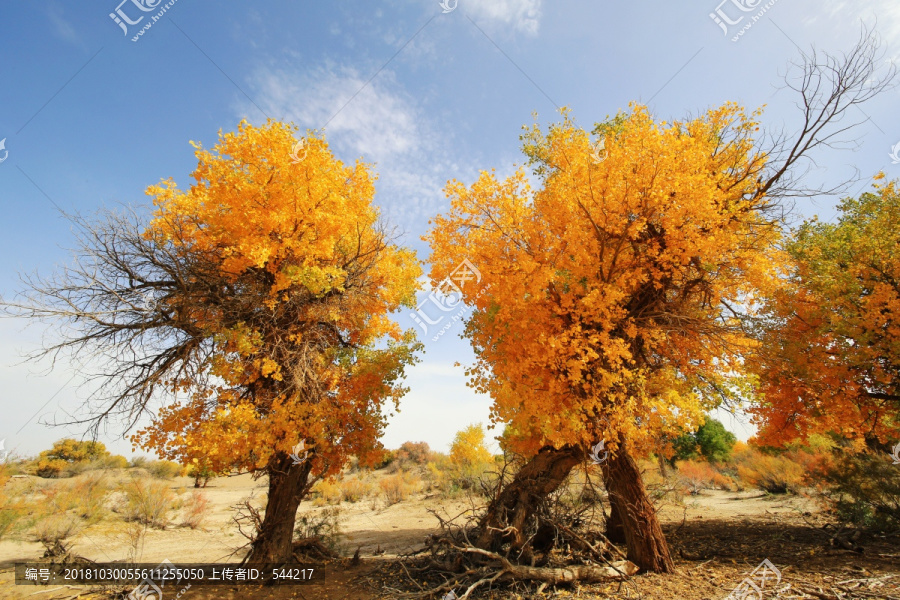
(829, 361)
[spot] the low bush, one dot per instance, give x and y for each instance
(326, 491)
(163, 469)
(196, 510)
(354, 489)
(53, 531)
(147, 501)
(139, 462)
(325, 525)
(50, 467)
(59, 511)
(398, 487)
(13, 508)
(387, 458)
(696, 475)
(773, 474)
(416, 453)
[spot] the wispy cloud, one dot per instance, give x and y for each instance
(524, 15)
(378, 122)
(884, 14)
(61, 26)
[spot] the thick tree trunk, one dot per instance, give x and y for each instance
(647, 547)
(506, 516)
(287, 485)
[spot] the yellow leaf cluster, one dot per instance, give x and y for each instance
(295, 280)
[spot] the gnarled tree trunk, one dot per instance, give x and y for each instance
(508, 513)
(287, 485)
(647, 547)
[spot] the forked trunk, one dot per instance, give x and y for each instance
(507, 515)
(647, 547)
(287, 485)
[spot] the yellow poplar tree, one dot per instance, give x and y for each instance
(289, 284)
(614, 296)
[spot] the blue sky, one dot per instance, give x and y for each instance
(91, 118)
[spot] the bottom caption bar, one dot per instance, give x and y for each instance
(149, 576)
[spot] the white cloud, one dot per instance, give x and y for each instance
(377, 121)
(524, 15)
(884, 15)
(366, 119)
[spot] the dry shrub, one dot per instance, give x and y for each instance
(163, 469)
(196, 510)
(773, 474)
(354, 489)
(13, 508)
(62, 510)
(324, 525)
(398, 487)
(84, 496)
(816, 464)
(696, 475)
(54, 530)
(326, 491)
(414, 452)
(146, 501)
(90, 493)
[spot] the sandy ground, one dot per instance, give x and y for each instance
(715, 536)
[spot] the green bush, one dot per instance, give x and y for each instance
(864, 490)
(715, 442)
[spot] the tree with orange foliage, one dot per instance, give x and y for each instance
(259, 300)
(830, 359)
(607, 317)
(622, 287)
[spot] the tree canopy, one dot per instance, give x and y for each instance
(831, 336)
(616, 287)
